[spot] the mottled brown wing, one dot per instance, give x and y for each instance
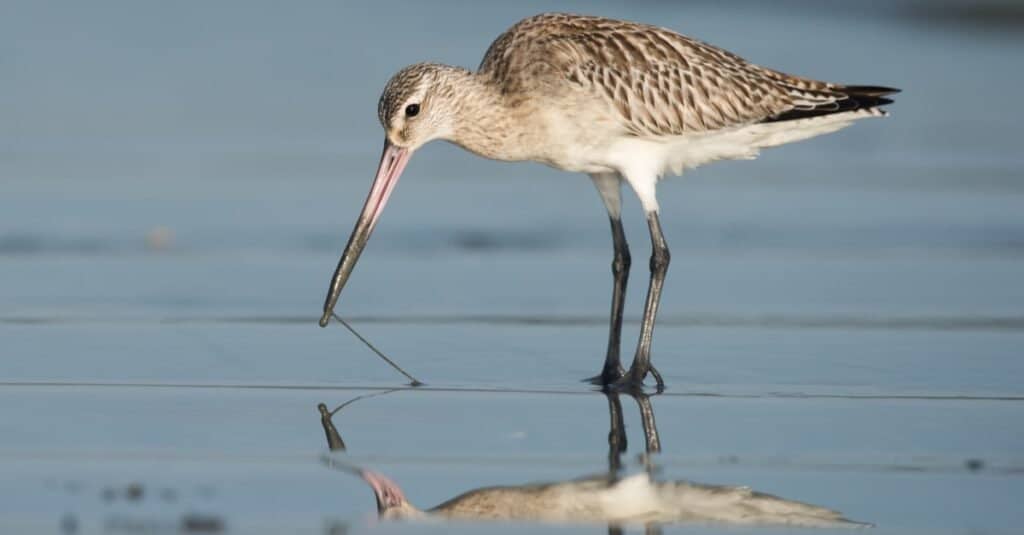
(657, 81)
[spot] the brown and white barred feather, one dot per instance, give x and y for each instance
(658, 82)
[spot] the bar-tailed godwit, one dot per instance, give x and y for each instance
(620, 101)
(636, 499)
(605, 498)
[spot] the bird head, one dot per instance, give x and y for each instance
(391, 502)
(419, 104)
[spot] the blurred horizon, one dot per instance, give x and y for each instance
(141, 128)
(256, 90)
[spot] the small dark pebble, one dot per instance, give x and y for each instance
(974, 465)
(134, 492)
(197, 523)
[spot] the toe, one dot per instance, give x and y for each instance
(607, 377)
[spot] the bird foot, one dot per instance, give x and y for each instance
(608, 376)
(632, 382)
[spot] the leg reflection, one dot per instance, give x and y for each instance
(616, 435)
(617, 441)
(617, 444)
(652, 441)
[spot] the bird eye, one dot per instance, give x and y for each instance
(412, 110)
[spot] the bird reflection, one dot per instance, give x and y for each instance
(613, 497)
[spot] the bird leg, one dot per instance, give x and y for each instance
(609, 185)
(659, 267)
(613, 370)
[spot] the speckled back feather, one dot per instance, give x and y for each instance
(658, 82)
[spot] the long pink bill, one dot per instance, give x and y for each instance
(392, 163)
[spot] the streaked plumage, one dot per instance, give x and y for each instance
(635, 499)
(621, 101)
(657, 82)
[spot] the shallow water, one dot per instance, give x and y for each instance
(842, 322)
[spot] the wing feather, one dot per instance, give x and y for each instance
(657, 82)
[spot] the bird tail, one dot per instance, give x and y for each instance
(841, 99)
(869, 96)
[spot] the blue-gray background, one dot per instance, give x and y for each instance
(177, 180)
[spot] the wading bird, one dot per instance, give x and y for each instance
(636, 499)
(608, 498)
(620, 101)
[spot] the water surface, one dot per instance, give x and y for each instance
(842, 323)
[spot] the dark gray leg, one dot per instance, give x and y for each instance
(613, 370)
(609, 185)
(659, 267)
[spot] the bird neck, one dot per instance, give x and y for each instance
(485, 122)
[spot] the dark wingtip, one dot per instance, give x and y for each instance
(870, 90)
(851, 98)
